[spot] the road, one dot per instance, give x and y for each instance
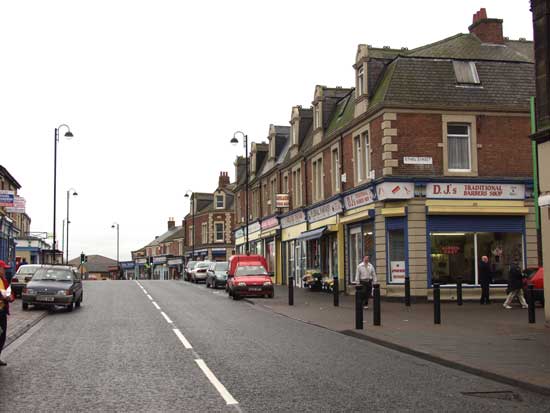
(119, 352)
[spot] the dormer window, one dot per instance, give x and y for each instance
(220, 202)
(294, 134)
(317, 116)
(466, 73)
(360, 81)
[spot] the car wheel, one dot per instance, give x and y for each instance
(70, 307)
(235, 296)
(207, 284)
(25, 306)
(271, 295)
(79, 301)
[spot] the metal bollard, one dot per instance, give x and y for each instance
(407, 291)
(291, 290)
(358, 307)
(459, 291)
(531, 304)
(437, 304)
(335, 291)
(376, 310)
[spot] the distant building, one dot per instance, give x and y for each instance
(96, 267)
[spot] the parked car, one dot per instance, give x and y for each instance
(188, 268)
(534, 276)
(52, 286)
(216, 274)
(22, 277)
(248, 276)
(198, 273)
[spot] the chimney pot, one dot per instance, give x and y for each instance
(485, 29)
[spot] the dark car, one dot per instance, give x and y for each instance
(534, 276)
(54, 286)
(216, 274)
(22, 277)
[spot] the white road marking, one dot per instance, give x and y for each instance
(156, 305)
(145, 291)
(166, 317)
(219, 387)
(182, 338)
(149, 297)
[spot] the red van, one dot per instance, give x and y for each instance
(248, 276)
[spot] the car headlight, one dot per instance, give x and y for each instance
(30, 291)
(63, 292)
(267, 283)
(241, 284)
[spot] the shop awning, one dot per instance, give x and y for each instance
(313, 234)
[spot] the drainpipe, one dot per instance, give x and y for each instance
(534, 155)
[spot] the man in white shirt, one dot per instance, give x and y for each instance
(366, 276)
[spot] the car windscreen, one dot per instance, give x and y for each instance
(52, 274)
(191, 265)
(221, 266)
(203, 265)
(27, 270)
(250, 270)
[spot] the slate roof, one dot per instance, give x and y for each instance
(429, 83)
(96, 263)
(343, 113)
(469, 47)
(178, 234)
(162, 238)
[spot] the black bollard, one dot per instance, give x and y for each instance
(335, 291)
(291, 290)
(437, 305)
(376, 310)
(531, 303)
(358, 307)
(459, 291)
(407, 291)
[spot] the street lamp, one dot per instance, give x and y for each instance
(68, 135)
(189, 194)
(74, 193)
(115, 225)
(234, 141)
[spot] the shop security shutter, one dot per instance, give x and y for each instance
(450, 223)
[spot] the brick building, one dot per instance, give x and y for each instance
(208, 224)
(425, 165)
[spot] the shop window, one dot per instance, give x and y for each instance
(333, 256)
(361, 243)
(313, 261)
(270, 250)
(457, 255)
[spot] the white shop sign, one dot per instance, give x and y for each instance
(358, 199)
(474, 191)
(255, 227)
(324, 211)
(294, 219)
(397, 271)
(395, 190)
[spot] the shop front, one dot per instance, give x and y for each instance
(128, 270)
(269, 235)
(219, 254)
(141, 268)
(293, 260)
(200, 254)
(175, 268)
(160, 268)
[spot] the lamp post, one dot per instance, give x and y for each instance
(235, 141)
(68, 135)
(74, 193)
(189, 194)
(117, 226)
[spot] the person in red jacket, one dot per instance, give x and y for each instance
(6, 297)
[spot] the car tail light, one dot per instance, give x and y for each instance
(15, 280)
(201, 270)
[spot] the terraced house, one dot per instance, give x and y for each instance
(425, 165)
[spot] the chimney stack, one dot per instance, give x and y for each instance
(224, 180)
(171, 223)
(485, 29)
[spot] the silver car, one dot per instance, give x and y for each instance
(199, 272)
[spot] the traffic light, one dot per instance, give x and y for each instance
(82, 258)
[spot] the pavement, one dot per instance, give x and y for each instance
(19, 321)
(485, 340)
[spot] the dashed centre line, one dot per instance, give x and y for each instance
(149, 297)
(182, 338)
(156, 305)
(166, 317)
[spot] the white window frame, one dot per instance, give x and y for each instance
(317, 116)
(216, 239)
(297, 187)
(365, 138)
(223, 201)
(317, 172)
(285, 183)
(273, 193)
(460, 119)
(468, 138)
(335, 168)
(361, 81)
(294, 134)
(204, 232)
(358, 158)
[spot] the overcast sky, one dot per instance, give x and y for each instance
(154, 89)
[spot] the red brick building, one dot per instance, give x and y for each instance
(425, 165)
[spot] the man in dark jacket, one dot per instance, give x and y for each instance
(6, 297)
(515, 285)
(485, 279)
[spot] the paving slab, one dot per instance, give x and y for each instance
(19, 321)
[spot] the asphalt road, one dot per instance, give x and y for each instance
(119, 352)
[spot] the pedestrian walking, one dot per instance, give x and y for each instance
(515, 286)
(6, 297)
(366, 276)
(485, 279)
